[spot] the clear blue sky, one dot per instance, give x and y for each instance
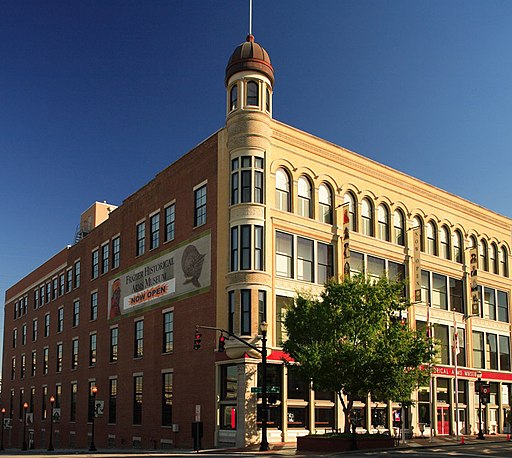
(97, 96)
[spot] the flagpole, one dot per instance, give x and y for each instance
(431, 381)
(455, 354)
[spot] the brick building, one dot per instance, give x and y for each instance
(224, 237)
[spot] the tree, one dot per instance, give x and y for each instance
(352, 341)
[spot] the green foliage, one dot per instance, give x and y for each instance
(351, 341)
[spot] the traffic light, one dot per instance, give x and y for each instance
(222, 344)
(485, 393)
(197, 340)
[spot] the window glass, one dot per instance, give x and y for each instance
(116, 252)
(445, 243)
(304, 200)
(503, 306)
(441, 335)
(245, 312)
(492, 348)
(258, 247)
(252, 94)
(349, 199)
(431, 238)
(504, 262)
(282, 190)
(154, 224)
(356, 262)
(418, 222)
(168, 332)
(245, 247)
(399, 225)
(484, 255)
(200, 206)
(383, 220)
(167, 399)
(439, 296)
(376, 267)
(284, 255)
(141, 238)
(489, 304)
(325, 256)
(504, 353)
(478, 350)
(495, 268)
(170, 219)
(304, 259)
(456, 295)
(367, 217)
(233, 98)
(457, 247)
(325, 203)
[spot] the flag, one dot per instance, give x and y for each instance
(456, 345)
(428, 321)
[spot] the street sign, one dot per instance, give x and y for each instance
(270, 389)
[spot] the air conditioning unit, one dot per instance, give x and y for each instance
(175, 428)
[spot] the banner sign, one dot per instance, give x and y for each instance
(473, 281)
(416, 263)
(346, 240)
(173, 273)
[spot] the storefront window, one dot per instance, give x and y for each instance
(324, 417)
(442, 390)
(297, 417)
(228, 396)
(274, 383)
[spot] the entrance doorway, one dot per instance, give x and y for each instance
(443, 422)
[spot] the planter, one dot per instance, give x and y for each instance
(343, 443)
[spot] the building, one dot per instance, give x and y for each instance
(223, 238)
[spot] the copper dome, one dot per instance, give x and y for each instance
(250, 56)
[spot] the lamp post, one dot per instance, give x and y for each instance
(94, 391)
(3, 426)
(50, 445)
(24, 445)
(479, 388)
(264, 406)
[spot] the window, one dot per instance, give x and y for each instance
(246, 179)
(258, 180)
(456, 295)
(399, 226)
(44, 412)
(367, 217)
(325, 257)
(73, 401)
(489, 304)
(283, 198)
(104, 258)
(94, 306)
(245, 247)
(46, 362)
(439, 296)
(112, 400)
(267, 99)
(114, 344)
(168, 332)
(444, 242)
(167, 399)
(59, 358)
(14, 337)
(23, 366)
(48, 293)
(375, 267)
(383, 222)
(74, 354)
(495, 268)
(252, 94)
(304, 201)
(235, 178)
(77, 274)
(492, 346)
(92, 349)
(461, 357)
(33, 366)
(234, 249)
(258, 247)
(431, 238)
(200, 206)
(137, 400)
(504, 262)
(245, 312)
(233, 98)
(95, 264)
(504, 353)
(484, 256)
(116, 252)
(76, 313)
(457, 246)
(62, 285)
(441, 333)
(60, 319)
(69, 280)
(325, 203)
(478, 350)
(502, 306)
(24, 334)
(284, 255)
(55, 289)
(141, 238)
(154, 227)
(138, 339)
(13, 368)
(228, 396)
(349, 199)
(231, 311)
(304, 259)
(36, 298)
(47, 325)
(262, 307)
(170, 219)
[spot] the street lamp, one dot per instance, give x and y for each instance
(479, 389)
(24, 445)
(264, 406)
(94, 391)
(3, 426)
(50, 445)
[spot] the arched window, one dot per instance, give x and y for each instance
(383, 220)
(504, 261)
(431, 238)
(325, 203)
(472, 241)
(484, 255)
(418, 222)
(457, 246)
(349, 199)
(495, 268)
(399, 226)
(367, 217)
(267, 99)
(444, 242)
(304, 201)
(283, 201)
(253, 98)
(233, 98)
